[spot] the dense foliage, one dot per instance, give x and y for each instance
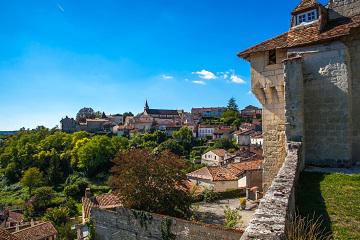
(152, 182)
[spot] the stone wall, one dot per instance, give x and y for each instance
(327, 104)
(354, 45)
(275, 209)
(268, 87)
(345, 8)
(125, 224)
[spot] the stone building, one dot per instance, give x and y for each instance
(68, 125)
(307, 80)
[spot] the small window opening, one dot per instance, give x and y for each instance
(272, 57)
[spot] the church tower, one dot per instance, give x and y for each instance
(146, 106)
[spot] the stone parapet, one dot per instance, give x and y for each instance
(138, 225)
(272, 216)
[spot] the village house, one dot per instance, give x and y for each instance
(205, 131)
(212, 112)
(214, 157)
(241, 175)
(242, 138)
(223, 132)
(10, 218)
(313, 67)
(30, 231)
(257, 139)
(251, 112)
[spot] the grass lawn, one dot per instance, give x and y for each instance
(335, 197)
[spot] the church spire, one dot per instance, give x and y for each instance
(146, 105)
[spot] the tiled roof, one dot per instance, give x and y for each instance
(305, 5)
(37, 232)
(162, 112)
(106, 200)
(5, 235)
(202, 173)
(219, 152)
(222, 174)
(229, 173)
(18, 217)
(241, 167)
(305, 35)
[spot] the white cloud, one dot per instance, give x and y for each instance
(204, 74)
(167, 77)
(199, 82)
(60, 7)
(236, 79)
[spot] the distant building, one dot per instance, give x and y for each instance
(204, 131)
(212, 112)
(243, 138)
(223, 132)
(234, 176)
(257, 139)
(68, 125)
(36, 231)
(214, 157)
(251, 112)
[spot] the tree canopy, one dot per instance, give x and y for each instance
(232, 105)
(151, 182)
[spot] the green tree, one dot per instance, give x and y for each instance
(85, 113)
(224, 143)
(94, 157)
(232, 105)
(172, 146)
(151, 182)
(42, 197)
(32, 178)
(184, 137)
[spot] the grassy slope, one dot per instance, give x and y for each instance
(336, 197)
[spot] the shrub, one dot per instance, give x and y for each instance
(210, 195)
(306, 228)
(232, 217)
(76, 190)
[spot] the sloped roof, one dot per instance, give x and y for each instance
(229, 173)
(162, 112)
(305, 35)
(37, 232)
(5, 235)
(219, 152)
(305, 5)
(106, 200)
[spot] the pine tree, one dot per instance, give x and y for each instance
(232, 105)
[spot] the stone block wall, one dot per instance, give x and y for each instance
(327, 104)
(126, 224)
(354, 45)
(275, 209)
(268, 87)
(345, 8)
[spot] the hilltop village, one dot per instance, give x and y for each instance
(289, 170)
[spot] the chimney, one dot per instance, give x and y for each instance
(17, 227)
(87, 193)
(32, 222)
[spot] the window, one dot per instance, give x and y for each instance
(272, 57)
(308, 16)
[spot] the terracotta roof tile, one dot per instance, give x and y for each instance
(219, 152)
(203, 173)
(222, 174)
(305, 5)
(306, 34)
(37, 232)
(106, 200)
(5, 235)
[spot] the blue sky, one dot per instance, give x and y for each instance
(59, 56)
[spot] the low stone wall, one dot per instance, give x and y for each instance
(126, 224)
(272, 216)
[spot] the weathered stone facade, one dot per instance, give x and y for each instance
(315, 79)
(126, 224)
(268, 86)
(276, 207)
